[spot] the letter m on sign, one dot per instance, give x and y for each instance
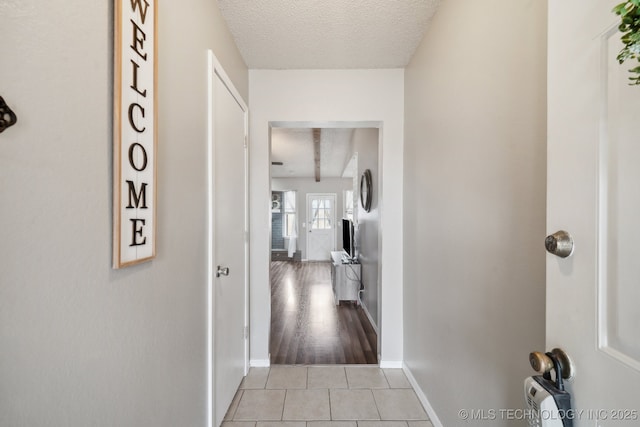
(135, 198)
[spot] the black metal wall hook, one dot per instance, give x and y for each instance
(7, 117)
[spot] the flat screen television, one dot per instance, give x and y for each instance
(348, 243)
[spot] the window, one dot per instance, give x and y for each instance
(289, 213)
(321, 219)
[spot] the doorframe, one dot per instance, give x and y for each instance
(333, 219)
(375, 124)
(214, 68)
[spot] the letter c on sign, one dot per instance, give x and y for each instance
(131, 122)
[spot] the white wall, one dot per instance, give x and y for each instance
(474, 270)
(83, 344)
(304, 186)
(365, 143)
(327, 96)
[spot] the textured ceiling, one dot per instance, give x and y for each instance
(327, 34)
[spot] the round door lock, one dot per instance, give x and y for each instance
(559, 243)
(542, 363)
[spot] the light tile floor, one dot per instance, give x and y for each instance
(326, 396)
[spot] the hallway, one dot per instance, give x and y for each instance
(307, 327)
(463, 124)
(334, 396)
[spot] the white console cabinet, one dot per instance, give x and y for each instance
(345, 278)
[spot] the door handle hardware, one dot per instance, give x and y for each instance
(543, 363)
(7, 116)
(559, 243)
(222, 271)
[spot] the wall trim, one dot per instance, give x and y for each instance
(433, 417)
(260, 363)
(373, 324)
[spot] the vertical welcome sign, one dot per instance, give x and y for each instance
(134, 133)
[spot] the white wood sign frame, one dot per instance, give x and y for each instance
(134, 131)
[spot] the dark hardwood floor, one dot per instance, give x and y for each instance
(307, 327)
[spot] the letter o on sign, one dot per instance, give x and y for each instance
(132, 162)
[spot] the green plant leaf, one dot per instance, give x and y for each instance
(618, 9)
(629, 13)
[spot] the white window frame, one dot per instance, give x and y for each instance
(286, 211)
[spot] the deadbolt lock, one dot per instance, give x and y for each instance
(559, 243)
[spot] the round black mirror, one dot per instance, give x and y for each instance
(365, 190)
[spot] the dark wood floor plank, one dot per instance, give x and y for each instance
(307, 327)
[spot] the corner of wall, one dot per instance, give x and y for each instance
(433, 417)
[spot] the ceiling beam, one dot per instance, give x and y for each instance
(316, 152)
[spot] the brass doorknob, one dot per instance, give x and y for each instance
(542, 363)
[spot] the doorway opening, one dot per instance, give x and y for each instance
(325, 300)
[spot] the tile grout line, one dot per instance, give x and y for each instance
(329, 401)
(267, 380)
(385, 377)
(284, 402)
(346, 377)
(376, 403)
(237, 406)
(330, 407)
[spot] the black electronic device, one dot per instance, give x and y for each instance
(348, 242)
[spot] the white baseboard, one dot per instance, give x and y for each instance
(391, 364)
(366, 311)
(259, 363)
(423, 398)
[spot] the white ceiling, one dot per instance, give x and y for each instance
(294, 148)
(327, 34)
(324, 34)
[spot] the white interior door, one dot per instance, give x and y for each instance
(593, 296)
(229, 244)
(321, 229)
